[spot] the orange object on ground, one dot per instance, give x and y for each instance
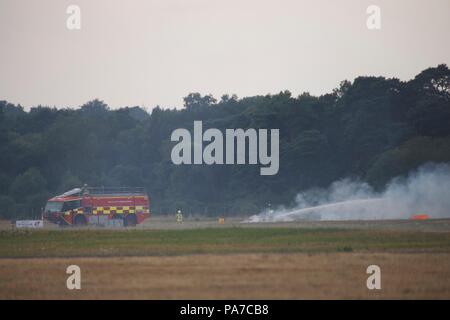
(420, 217)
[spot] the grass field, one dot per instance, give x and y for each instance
(233, 262)
(111, 243)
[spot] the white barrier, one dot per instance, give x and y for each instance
(29, 223)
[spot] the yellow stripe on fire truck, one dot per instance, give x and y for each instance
(119, 210)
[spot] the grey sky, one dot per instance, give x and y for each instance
(155, 52)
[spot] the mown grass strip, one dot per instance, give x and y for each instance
(70, 243)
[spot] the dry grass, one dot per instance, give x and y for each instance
(234, 276)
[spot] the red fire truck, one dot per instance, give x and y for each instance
(98, 206)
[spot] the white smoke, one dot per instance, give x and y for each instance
(424, 191)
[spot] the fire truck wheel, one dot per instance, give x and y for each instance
(130, 221)
(79, 221)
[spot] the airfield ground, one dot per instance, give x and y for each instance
(201, 259)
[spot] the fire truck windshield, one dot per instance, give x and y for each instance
(69, 205)
(53, 206)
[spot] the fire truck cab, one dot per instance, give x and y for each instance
(98, 206)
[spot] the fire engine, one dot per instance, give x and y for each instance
(98, 206)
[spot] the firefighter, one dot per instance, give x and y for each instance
(84, 189)
(179, 216)
(270, 210)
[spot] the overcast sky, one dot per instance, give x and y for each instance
(152, 53)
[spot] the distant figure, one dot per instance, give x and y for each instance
(179, 216)
(84, 189)
(269, 211)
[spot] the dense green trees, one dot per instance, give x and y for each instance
(373, 128)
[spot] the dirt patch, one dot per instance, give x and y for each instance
(234, 276)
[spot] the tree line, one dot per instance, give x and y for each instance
(372, 129)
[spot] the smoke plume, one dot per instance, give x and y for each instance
(423, 191)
